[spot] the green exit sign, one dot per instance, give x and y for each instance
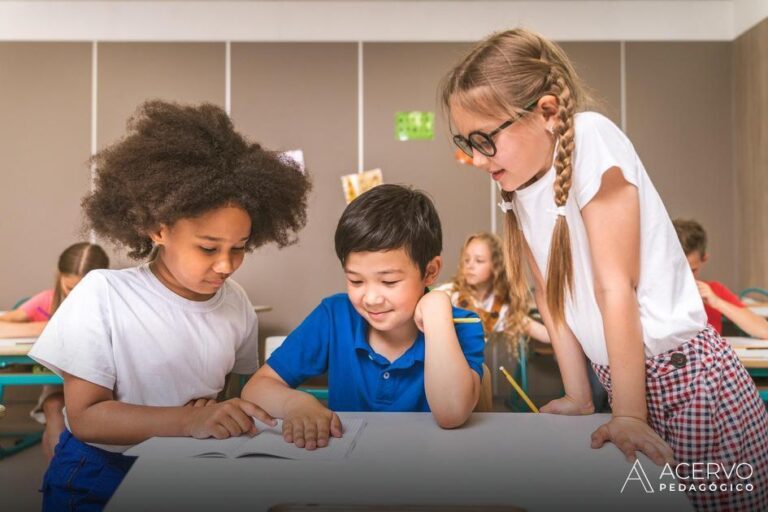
(414, 125)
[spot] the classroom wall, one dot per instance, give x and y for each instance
(299, 96)
(750, 63)
(45, 101)
(674, 98)
(679, 117)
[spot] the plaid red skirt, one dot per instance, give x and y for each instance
(704, 404)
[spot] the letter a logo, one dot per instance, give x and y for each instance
(638, 473)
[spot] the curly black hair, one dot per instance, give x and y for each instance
(178, 161)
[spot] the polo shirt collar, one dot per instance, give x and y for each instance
(414, 353)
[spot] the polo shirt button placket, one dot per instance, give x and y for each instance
(385, 392)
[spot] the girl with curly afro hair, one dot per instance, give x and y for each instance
(144, 351)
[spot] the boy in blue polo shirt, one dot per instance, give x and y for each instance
(388, 344)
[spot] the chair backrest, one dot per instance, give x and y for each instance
(20, 302)
(753, 291)
(485, 402)
(271, 343)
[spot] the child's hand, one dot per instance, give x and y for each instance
(432, 303)
(308, 424)
(200, 402)
(707, 295)
(631, 435)
(226, 419)
(567, 406)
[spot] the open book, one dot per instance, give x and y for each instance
(268, 442)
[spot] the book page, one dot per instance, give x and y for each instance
(269, 442)
(174, 447)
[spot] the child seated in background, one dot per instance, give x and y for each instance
(31, 317)
(718, 300)
(388, 344)
(144, 351)
(481, 285)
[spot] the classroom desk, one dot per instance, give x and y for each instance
(757, 367)
(14, 351)
(756, 364)
(533, 461)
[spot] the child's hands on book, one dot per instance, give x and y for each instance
(308, 424)
(221, 420)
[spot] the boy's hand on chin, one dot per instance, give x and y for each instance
(308, 424)
(431, 304)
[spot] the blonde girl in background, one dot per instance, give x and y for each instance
(30, 318)
(481, 285)
(611, 280)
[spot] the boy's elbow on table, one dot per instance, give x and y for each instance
(457, 413)
(451, 419)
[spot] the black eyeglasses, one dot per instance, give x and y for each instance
(483, 142)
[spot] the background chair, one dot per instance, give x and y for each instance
(485, 402)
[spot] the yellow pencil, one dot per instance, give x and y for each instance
(466, 320)
(519, 389)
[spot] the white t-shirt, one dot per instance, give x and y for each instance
(125, 331)
(671, 309)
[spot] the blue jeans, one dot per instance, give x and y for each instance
(82, 477)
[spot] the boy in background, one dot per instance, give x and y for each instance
(718, 300)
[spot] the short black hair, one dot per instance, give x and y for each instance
(181, 161)
(390, 217)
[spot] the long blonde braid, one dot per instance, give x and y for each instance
(500, 75)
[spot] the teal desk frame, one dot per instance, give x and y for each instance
(24, 439)
(760, 372)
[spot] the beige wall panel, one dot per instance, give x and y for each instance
(131, 73)
(679, 117)
(751, 154)
(405, 77)
(299, 96)
(45, 95)
(599, 67)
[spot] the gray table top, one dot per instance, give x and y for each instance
(532, 461)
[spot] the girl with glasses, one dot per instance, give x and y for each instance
(611, 280)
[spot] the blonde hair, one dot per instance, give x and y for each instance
(78, 260)
(515, 317)
(501, 75)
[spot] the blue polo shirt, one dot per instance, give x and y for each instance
(333, 339)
